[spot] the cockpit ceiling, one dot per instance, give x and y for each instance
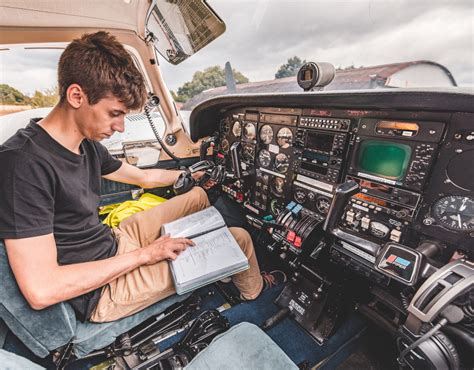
(117, 14)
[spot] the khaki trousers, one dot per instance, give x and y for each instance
(148, 284)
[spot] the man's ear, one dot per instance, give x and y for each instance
(75, 96)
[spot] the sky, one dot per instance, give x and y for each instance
(262, 34)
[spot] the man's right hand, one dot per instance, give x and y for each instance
(164, 248)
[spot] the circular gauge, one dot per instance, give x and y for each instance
(300, 195)
(281, 163)
(311, 196)
(249, 131)
(225, 126)
(284, 137)
(276, 207)
(266, 134)
(248, 153)
(264, 158)
(225, 145)
(323, 204)
(455, 212)
(277, 186)
(237, 129)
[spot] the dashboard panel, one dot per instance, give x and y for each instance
(366, 196)
(408, 156)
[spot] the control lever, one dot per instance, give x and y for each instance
(341, 197)
(263, 224)
(235, 157)
(206, 144)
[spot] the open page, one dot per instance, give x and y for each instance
(195, 224)
(214, 256)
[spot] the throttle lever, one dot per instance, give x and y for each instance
(342, 195)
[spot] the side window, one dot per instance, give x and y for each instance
(28, 89)
(137, 144)
(28, 85)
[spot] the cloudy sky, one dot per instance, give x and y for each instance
(262, 34)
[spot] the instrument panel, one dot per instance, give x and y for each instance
(412, 173)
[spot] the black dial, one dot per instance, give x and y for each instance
(225, 126)
(225, 145)
(264, 158)
(455, 213)
(248, 153)
(277, 186)
(323, 204)
(281, 163)
(300, 196)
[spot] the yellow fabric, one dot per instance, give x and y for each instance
(120, 211)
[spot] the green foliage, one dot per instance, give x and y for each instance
(209, 78)
(10, 95)
(178, 98)
(290, 68)
(47, 98)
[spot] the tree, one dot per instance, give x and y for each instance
(207, 79)
(10, 95)
(290, 68)
(47, 98)
(178, 98)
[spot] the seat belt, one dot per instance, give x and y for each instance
(3, 333)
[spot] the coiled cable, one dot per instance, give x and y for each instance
(152, 103)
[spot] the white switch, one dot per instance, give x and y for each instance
(365, 222)
(395, 235)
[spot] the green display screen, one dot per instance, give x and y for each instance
(384, 159)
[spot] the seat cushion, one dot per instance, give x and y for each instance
(41, 331)
(244, 346)
(48, 329)
(90, 336)
(10, 361)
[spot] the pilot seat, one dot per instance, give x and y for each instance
(42, 332)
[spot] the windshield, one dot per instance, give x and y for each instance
(376, 44)
(372, 44)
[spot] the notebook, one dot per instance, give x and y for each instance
(216, 254)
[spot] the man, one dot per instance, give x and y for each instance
(57, 247)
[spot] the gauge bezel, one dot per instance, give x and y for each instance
(272, 186)
(234, 125)
(278, 138)
(436, 212)
(245, 133)
(228, 145)
(269, 158)
(271, 135)
(278, 162)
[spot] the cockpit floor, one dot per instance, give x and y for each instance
(293, 340)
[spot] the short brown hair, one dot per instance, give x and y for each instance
(101, 66)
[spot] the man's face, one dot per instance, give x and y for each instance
(99, 121)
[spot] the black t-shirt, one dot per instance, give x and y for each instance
(46, 188)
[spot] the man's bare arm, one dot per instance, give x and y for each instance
(44, 282)
(150, 178)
